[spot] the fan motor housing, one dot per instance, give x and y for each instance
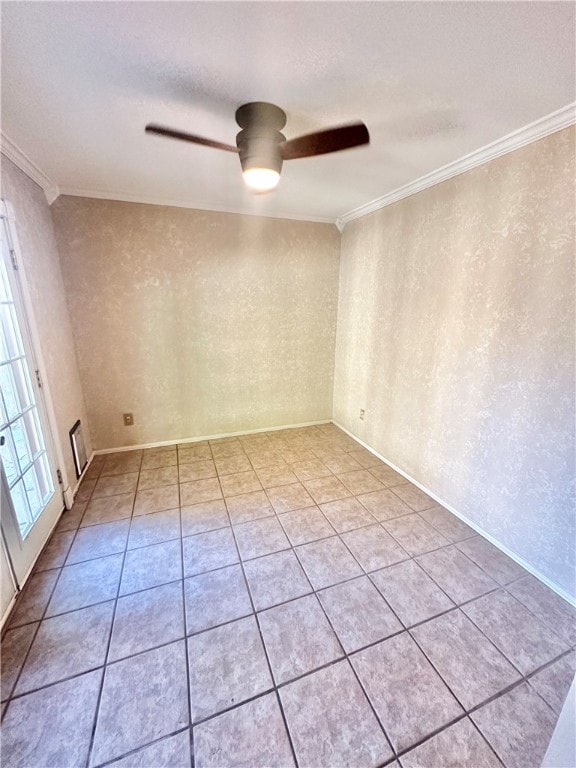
(259, 147)
(259, 140)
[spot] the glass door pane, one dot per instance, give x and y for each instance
(22, 445)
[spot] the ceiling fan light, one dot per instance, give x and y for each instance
(261, 179)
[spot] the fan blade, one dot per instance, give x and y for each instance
(172, 134)
(322, 142)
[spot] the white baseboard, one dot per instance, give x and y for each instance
(517, 558)
(210, 437)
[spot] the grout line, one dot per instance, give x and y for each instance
(271, 673)
(142, 747)
(108, 644)
(185, 628)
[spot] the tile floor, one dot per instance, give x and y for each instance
(276, 600)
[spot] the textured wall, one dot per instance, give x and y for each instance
(456, 334)
(44, 279)
(198, 322)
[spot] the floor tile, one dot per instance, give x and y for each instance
(331, 722)
(203, 517)
(358, 613)
(553, 682)
(99, 541)
(289, 497)
(275, 579)
(226, 448)
(549, 607)
(248, 506)
(517, 633)
(94, 469)
(132, 713)
(265, 458)
(154, 528)
(305, 525)
(231, 465)
(272, 477)
(158, 477)
(459, 745)
(467, 661)
(207, 551)
(86, 584)
(342, 463)
(408, 695)
(310, 469)
(413, 595)
(415, 535)
(260, 537)
(227, 665)
(15, 645)
(324, 450)
(33, 599)
(387, 476)
(149, 567)
(448, 524)
(108, 509)
(347, 514)
(197, 470)
(56, 551)
(121, 463)
(365, 458)
(158, 460)
(113, 485)
(327, 562)
(384, 505)
(215, 598)
(414, 497)
(360, 481)
(173, 751)
(192, 452)
(199, 491)
(518, 725)
(157, 500)
(67, 645)
(147, 619)
(456, 574)
(298, 456)
(70, 519)
(496, 564)
(242, 482)
(53, 726)
(325, 489)
(373, 547)
(251, 735)
(85, 489)
(298, 638)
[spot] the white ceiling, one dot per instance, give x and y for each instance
(433, 81)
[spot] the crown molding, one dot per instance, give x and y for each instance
(125, 197)
(551, 123)
(13, 152)
(555, 121)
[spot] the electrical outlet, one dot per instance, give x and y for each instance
(128, 419)
(362, 412)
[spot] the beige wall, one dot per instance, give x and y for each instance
(44, 280)
(197, 322)
(456, 334)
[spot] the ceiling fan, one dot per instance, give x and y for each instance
(263, 149)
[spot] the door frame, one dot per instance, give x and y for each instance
(7, 214)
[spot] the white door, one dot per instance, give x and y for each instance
(29, 469)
